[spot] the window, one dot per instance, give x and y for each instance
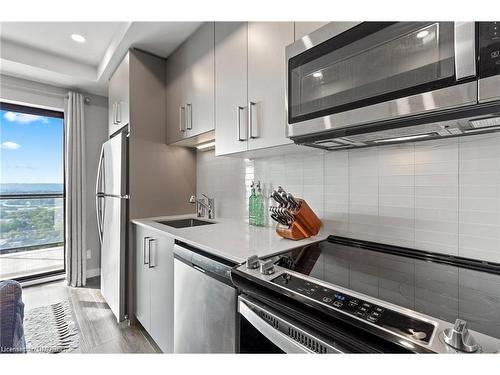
(31, 192)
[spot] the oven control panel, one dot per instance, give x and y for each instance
(402, 324)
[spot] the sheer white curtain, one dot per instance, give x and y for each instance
(76, 260)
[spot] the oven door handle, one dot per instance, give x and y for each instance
(281, 340)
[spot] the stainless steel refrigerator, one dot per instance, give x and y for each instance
(111, 207)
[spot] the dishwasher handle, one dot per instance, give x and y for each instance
(203, 263)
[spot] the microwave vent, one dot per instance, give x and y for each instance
(485, 122)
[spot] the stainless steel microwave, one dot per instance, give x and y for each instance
(348, 75)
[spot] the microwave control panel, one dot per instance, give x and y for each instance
(489, 48)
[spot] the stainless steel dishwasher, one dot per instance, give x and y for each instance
(205, 303)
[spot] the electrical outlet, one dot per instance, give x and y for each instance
(89, 253)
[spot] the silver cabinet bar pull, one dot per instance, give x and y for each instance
(146, 261)
(181, 117)
(238, 114)
(152, 261)
(114, 113)
(251, 133)
(189, 113)
(118, 112)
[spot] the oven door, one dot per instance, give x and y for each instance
(265, 330)
(342, 76)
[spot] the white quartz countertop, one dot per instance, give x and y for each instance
(230, 239)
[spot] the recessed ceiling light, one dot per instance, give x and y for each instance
(423, 34)
(78, 38)
(317, 75)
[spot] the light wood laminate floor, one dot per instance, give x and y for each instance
(99, 331)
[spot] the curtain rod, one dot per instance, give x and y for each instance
(86, 99)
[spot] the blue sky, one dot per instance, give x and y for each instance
(31, 148)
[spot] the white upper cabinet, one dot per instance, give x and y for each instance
(231, 97)
(266, 83)
(176, 94)
(190, 86)
(118, 97)
(304, 28)
(250, 85)
(200, 81)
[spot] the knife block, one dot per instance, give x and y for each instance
(306, 223)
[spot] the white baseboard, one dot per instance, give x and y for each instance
(93, 272)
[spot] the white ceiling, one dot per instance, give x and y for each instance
(55, 38)
(45, 52)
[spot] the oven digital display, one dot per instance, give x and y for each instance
(404, 325)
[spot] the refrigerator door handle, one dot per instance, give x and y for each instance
(98, 195)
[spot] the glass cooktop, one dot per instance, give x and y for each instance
(440, 286)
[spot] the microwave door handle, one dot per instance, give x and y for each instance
(465, 49)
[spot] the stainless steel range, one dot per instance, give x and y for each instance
(344, 296)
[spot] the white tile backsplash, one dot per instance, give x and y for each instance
(441, 195)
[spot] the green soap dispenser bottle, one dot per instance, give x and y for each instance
(251, 206)
(259, 207)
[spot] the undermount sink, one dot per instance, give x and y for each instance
(184, 223)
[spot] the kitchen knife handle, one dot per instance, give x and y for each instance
(238, 114)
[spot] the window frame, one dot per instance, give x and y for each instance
(39, 111)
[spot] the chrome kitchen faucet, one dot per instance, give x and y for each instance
(204, 206)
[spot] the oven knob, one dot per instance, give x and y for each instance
(253, 262)
(267, 268)
(459, 337)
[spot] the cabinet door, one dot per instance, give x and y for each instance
(266, 82)
(142, 282)
(118, 97)
(304, 28)
(176, 78)
(230, 87)
(162, 292)
(200, 80)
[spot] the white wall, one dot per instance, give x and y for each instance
(440, 196)
(96, 116)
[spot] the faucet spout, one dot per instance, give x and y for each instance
(203, 206)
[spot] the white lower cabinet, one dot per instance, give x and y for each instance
(154, 285)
